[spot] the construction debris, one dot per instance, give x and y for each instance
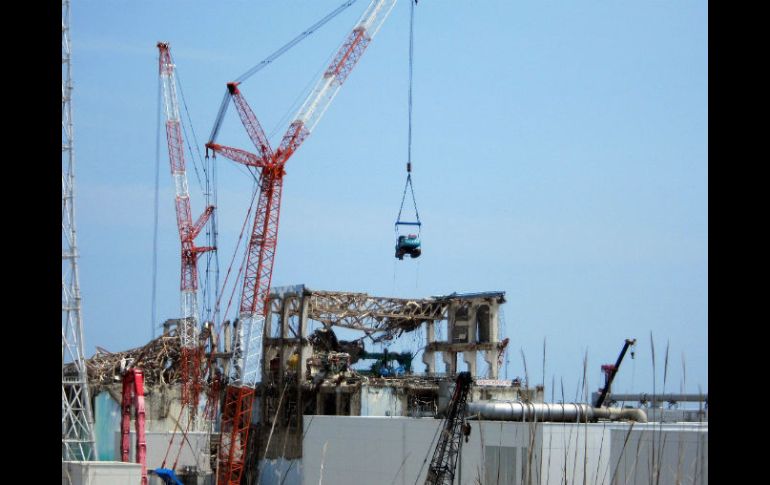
(160, 359)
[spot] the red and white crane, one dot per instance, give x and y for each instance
(188, 231)
(246, 371)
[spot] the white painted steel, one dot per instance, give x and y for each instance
(78, 442)
(170, 103)
(180, 184)
(326, 88)
(188, 323)
(540, 412)
(247, 354)
(100, 473)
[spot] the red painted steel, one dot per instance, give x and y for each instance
(348, 55)
(190, 358)
(236, 414)
(250, 122)
(238, 155)
(133, 395)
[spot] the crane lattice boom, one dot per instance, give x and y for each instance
(246, 369)
(188, 231)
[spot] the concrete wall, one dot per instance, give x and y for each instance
(382, 401)
(575, 453)
(194, 452)
(505, 455)
(354, 450)
(280, 472)
(100, 473)
(397, 450)
(163, 411)
(678, 454)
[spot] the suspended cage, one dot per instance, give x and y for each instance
(408, 232)
(408, 243)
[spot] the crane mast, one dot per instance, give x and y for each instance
(77, 437)
(612, 370)
(246, 368)
(444, 462)
(188, 231)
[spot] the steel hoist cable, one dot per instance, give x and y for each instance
(409, 244)
(275, 55)
(153, 303)
(409, 184)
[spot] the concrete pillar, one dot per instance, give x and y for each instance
(490, 356)
(227, 343)
(450, 360)
(268, 331)
(447, 357)
(285, 350)
(429, 357)
(469, 357)
(472, 325)
(338, 401)
(305, 350)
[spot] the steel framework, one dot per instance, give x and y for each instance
(77, 436)
(373, 314)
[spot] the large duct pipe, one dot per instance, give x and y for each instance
(570, 412)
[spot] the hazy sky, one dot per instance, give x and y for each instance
(560, 155)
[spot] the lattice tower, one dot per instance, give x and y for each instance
(77, 438)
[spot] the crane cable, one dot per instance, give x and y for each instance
(211, 232)
(153, 303)
(403, 198)
(411, 66)
(219, 334)
(296, 40)
(409, 136)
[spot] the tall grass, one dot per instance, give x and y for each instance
(648, 454)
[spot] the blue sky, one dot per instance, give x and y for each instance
(560, 154)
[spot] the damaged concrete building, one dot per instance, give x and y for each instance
(349, 362)
(308, 370)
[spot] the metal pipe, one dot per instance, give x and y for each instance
(569, 412)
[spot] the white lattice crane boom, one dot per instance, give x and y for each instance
(188, 231)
